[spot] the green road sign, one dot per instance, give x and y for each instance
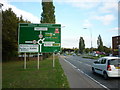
(42, 38)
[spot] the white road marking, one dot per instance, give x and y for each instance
(85, 63)
(88, 65)
(70, 63)
(88, 75)
(80, 62)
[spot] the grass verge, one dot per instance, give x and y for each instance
(91, 57)
(14, 76)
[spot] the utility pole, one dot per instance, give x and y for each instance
(1, 6)
(91, 38)
(1, 44)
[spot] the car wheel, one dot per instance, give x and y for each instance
(93, 70)
(105, 76)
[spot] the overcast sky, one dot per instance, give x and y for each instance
(97, 16)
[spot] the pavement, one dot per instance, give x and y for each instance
(76, 78)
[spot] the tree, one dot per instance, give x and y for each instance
(100, 44)
(9, 33)
(107, 50)
(81, 45)
(87, 50)
(21, 20)
(47, 15)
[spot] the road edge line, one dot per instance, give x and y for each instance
(88, 75)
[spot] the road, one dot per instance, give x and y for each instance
(84, 65)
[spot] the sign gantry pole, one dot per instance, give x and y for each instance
(25, 61)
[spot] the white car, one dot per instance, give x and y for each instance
(107, 66)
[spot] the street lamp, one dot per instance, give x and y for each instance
(1, 13)
(0, 41)
(63, 26)
(90, 36)
(1, 5)
(1, 17)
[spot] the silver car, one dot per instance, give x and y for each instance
(107, 66)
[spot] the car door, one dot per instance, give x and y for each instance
(102, 65)
(97, 66)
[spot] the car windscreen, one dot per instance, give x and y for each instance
(114, 62)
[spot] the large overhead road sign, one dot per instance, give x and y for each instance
(40, 38)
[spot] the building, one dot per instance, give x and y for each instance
(116, 45)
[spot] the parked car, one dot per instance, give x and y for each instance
(107, 66)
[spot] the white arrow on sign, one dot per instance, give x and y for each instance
(42, 41)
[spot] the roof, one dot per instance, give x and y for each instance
(108, 57)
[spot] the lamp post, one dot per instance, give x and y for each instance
(90, 37)
(1, 16)
(0, 43)
(1, 6)
(1, 20)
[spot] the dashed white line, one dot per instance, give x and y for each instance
(79, 62)
(87, 75)
(88, 65)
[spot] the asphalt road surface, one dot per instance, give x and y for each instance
(84, 66)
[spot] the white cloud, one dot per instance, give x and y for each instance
(88, 4)
(108, 7)
(115, 30)
(87, 24)
(63, 0)
(26, 15)
(106, 19)
(85, 0)
(70, 42)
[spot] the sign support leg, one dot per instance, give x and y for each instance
(53, 60)
(41, 58)
(38, 61)
(40, 47)
(25, 61)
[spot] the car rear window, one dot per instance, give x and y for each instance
(114, 62)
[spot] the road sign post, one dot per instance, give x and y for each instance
(39, 38)
(38, 61)
(53, 60)
(25, 61)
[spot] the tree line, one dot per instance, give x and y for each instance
(100, 46)
(10, 23)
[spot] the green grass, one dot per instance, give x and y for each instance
(91, 57)
(14, 76)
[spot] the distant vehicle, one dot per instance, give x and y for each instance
(99, 53)
(95, 54)
(74, 54)
(107, 66)
(78, 54)
(64, 54)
